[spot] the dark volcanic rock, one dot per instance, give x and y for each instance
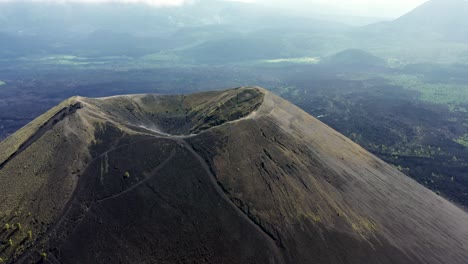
(240, 176)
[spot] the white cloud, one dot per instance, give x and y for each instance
(385, 8)
(243, 1)
(148, 2)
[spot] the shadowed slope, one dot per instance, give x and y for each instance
(239, 176)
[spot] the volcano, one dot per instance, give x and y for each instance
(235, 176)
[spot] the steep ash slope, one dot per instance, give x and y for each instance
(239, 176)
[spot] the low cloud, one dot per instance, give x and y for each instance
(148, 2)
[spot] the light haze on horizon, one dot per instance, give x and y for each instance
(369, 8)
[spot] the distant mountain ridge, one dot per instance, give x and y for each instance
(354, 57)
(110, 29)
(442, 19)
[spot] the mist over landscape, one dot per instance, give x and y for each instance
(101, 101)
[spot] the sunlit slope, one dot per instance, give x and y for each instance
(237, 176)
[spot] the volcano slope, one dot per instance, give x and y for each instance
(237, 176)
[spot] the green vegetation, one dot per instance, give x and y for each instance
(65, 60)
(63, 57)
(301, 60)
(19, 226)
(44, 255)
(438, 93)
(10, 242)
(126, 175)
(7, 226)
(463, 140)
(30, 236)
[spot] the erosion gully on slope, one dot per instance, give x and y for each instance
(180, 139)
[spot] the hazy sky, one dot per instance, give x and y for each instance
(376, 8)
(150, 2)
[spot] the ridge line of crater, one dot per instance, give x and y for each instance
(44, 128)
(251, 115)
